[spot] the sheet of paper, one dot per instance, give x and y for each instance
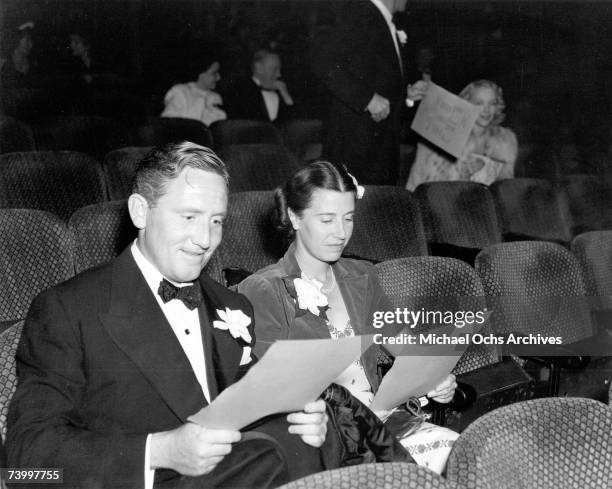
(419, 368)
(290, 374)
(445, 119)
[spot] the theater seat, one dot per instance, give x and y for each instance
(257, 166)
(93, 135)
(550, 443)
(531, 208)
(459, 218)
(590, 202)
(119, 170)
(304, 138)
(15, 136)
(36, 252)
(387, 225)
(55, 181)
(9, 339)
(382, 475)
(243, 131)
(156, 131)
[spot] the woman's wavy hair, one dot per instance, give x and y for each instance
(500, 104)
(296, 194)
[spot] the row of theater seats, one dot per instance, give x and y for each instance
(545, 443)
(460, 214)
(38, 250)
(96, 135)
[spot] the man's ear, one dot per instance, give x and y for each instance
(295, 220)
(138, 208)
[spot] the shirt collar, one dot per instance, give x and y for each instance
(152, 275)
(384, 11)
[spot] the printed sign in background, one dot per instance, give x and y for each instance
(445, 119)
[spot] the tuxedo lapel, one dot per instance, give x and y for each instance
(381, 25)
(139, 328)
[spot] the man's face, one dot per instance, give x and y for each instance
(268, 70)
(180, 232)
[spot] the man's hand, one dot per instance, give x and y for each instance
(378, 107)
(444, 392)
(281, 87)
(310, 424)
(418, 90)
(191, 449)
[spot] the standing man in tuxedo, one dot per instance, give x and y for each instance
(362, 66)
(113, 362)
(263, 96)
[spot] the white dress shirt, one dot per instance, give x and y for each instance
(186, 326)
(271, 99)
(389, 20)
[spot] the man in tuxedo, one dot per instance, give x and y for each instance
(113, 362)
(263, 96)
(361, 65)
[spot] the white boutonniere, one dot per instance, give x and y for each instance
(402, 36)
(309, 295)
(235, 321)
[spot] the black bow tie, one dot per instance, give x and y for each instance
(191, 295)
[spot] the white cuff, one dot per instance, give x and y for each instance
(149, 473)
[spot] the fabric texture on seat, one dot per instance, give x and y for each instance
(242, 131)
(394, 475)
(101, 231)
(304, 138)
(551, 443)
(156, 131)
(594, 253)
(93, 135)
(438, 284)
(9, 339)
(250, 241)
(590, 202)
(535, 287)
(15, 136)
(36, 252)
(387, 225)
(459, 213)
(532, 207)
(55, 181)
(257, 166)
(120, 168)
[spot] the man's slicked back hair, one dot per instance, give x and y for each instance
(165, 163)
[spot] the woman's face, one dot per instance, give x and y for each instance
(208, 79)
(485, 97)
(325, 227)
(77, 45)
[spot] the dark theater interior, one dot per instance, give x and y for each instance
(475, 141)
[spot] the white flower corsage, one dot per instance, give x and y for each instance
(403, 38)
(235, 321)
(360, 189)
(309, 295)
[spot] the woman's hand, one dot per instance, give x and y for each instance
(445, 391)
(310, 424)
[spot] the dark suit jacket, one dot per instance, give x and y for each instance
(276, 314)
(100, 368)
(356, 61)
(244, 100)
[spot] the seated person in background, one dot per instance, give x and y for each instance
(264, 96)
(20, 69)
(316, 208)
(81, 63)
(489, 154)
(113, 362)
(197, 99)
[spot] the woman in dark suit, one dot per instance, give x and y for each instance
(314, 293)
